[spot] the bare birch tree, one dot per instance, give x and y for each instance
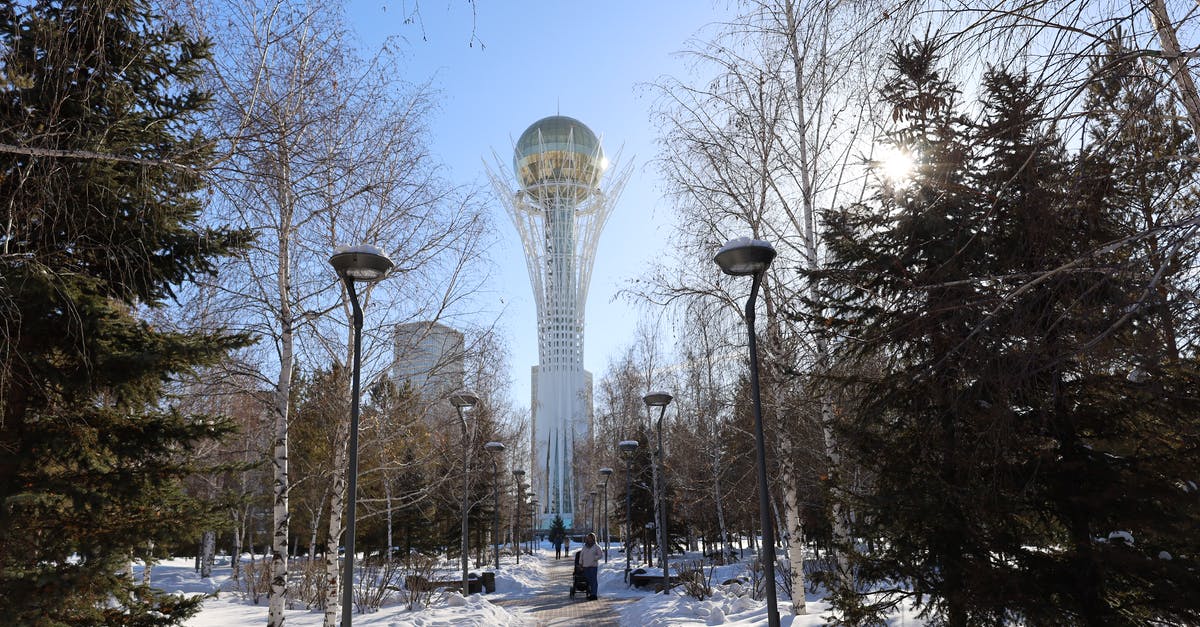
(274, 64)
(322, 147)
(783, 130)
(1058, 41)
(705, 397)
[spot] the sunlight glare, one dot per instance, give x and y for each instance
(896, 164)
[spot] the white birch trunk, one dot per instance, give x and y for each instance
(778, 520)
(726, 547)
(283, 390)
(387, 488)
(315, 528)
(840, 531)
(1168, 39)
(337, 503)
(148, 563)
(280, 514)
(793, 530)
(237, 545)
(208, 543)
(810, 251)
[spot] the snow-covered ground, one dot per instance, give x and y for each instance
(729, 605)
(232, 607)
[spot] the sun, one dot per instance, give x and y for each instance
(896, 164)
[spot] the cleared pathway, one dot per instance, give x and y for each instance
(554, 607)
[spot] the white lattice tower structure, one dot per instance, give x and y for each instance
(559, 209)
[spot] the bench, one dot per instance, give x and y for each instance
(417, 582)
(639, 579)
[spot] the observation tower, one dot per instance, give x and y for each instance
(560, 206)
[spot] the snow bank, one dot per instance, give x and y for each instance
(474, 611)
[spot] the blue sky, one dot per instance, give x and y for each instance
(531, 59)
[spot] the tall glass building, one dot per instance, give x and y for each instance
(559, 208)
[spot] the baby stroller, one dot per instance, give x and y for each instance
(579, 583)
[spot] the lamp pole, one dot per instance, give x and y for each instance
(495, 448)
(517, 522)
(660, 400)
(353, 264)
(592, 514)
(627, 447)
(599, 511)
(460, 401)
(605, 472)
(742, 257)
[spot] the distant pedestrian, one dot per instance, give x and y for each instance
(589, 559)
(557, 549)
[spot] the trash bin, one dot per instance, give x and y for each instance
(489, 582)
(474, 584)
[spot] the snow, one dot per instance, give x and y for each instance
(1123, 536)
(230, 608)
(472, 610)
(744, 242)
(365, 249)
(729, 604)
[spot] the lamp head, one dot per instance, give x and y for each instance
(495, 447)
(463, 399)
(606, 471)
(518, 473)
(627, 447)
(744, 256)
(360, 263)
(657, 399)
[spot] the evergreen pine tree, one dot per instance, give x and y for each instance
(558, 530)
(1010, 443)
(99, 189)
(894, 280)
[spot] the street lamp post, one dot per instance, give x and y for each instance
(461, 401)
(627, 447)
(742, 257)
(605, 472)
(660, 400)
(517, 522)
(599, 511)
(592, 514)
(354, 264)
(496, 448)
